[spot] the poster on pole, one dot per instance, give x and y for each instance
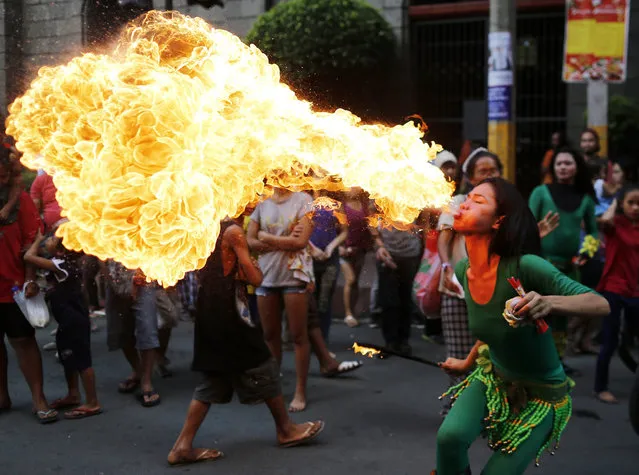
(596, 43)
(500, 76)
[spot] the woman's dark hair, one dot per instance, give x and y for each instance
(583, 177)
(622, 195)
(518, 233)
(563, 140)
(595, 135)
(472, 162)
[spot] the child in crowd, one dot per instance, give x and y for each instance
(73, 338)
(619, 282)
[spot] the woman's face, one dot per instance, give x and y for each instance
(588, 143)
(477, 215)
(617, 174)
(485, 167)
(5, 175)
(449, 169)
(630, 205)
(565, 168)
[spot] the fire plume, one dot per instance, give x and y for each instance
(364, 350)
(182, 125)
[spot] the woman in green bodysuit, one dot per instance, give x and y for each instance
(518, 393)
(572, 195)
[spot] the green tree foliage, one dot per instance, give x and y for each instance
(327, 50)
(623, 128)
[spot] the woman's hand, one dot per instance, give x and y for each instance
(548, 224)
(31, 290)
(533, 306)
(455, 366)
(448, 282)
(318, 254)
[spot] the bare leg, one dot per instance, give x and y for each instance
(133, 357)
(88, 382)
(72, 384)
(270, 312)
(326, 361)
(164, 335)
(297, 313)
(147, 360)
(5, 400)
(183, 451)
(31, 365)
(350, 285)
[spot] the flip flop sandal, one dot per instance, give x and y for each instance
(128, 385)
(207, 455)
(314, 429)
(342, 368)
(148, 395)
(82, 413)
(46, 417)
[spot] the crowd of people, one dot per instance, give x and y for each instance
(280, 262)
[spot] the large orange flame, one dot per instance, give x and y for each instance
(152, 145)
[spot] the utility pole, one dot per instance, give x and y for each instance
(501, 83)
(598, 111)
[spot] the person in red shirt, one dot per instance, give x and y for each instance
(619, 282)
(15, 238)
(43, 193)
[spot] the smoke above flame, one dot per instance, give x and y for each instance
(150, 147)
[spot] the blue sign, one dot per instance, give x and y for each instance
(499, 105)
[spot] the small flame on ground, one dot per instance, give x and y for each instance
(364, 350)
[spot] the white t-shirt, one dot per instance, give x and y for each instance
(279, 219)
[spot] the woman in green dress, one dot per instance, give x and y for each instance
(518, 392)
(572, 196)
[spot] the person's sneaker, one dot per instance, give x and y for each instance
(49, 346)
(373, 324)
(54, 331)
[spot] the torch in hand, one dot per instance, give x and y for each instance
(512, 319)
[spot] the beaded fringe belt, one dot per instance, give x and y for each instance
(516, 408)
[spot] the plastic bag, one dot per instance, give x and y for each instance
(426, 293)
(34, 309)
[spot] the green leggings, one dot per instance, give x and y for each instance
(464, 423)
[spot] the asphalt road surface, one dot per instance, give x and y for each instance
(381, 420)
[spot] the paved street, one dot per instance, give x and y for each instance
(382, 420)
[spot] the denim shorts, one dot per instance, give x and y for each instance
(132, 321)
(293, 289)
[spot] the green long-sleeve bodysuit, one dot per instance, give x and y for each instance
(520, 387)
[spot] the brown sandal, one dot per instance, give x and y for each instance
(313, 430)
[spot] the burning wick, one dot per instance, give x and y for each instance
(364, 350)
(511, 318)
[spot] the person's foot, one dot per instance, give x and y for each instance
(351, 321)
(298, 404)
(84, 411)
(65, 402)
(94, 327)
(298, 434)
(149, 398)
(607, 397)
(129, 384)
(190, 456)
